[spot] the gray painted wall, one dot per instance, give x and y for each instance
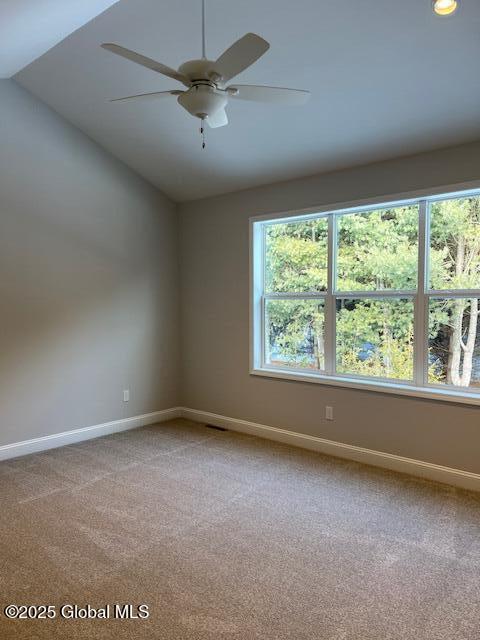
(214, 241)
(89, 296)
(88, 280)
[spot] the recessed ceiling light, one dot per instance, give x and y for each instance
(445, 7)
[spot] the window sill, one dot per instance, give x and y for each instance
(402, 389)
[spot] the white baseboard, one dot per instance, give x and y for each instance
(435, 472)
(17, 449)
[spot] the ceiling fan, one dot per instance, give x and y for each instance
(206, 95)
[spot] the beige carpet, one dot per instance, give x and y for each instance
(229, 536)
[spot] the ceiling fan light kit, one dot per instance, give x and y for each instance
(445, 7)
(206, 95)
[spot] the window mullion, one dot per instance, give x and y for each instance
(330, 338)
(454, 293)
(379, 293)
(421, 299)
(307, 295)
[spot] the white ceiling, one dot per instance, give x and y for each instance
(388, 78)
(28, 28)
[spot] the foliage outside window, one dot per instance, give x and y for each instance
(389, 293)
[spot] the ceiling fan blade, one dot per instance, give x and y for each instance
(149, 96)
(240, 55)
(219, 119)
(277, 95)
(145, 62)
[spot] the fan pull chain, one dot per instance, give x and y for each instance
(202, 132)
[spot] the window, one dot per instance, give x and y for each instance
(386, 296)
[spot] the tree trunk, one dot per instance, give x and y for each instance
(470, 344)
(387, 342)
(319, 345)
(455, 347)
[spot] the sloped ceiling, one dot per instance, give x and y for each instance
(387, 79)
(29, 28)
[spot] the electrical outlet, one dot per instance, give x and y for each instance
(328, 413)
(126, 395)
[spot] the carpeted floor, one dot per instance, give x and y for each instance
(229, 536)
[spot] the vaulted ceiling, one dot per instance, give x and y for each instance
(387, 79)
(29, 28)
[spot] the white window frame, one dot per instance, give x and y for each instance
(420, 387)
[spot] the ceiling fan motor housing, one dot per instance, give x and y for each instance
(197, 70)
